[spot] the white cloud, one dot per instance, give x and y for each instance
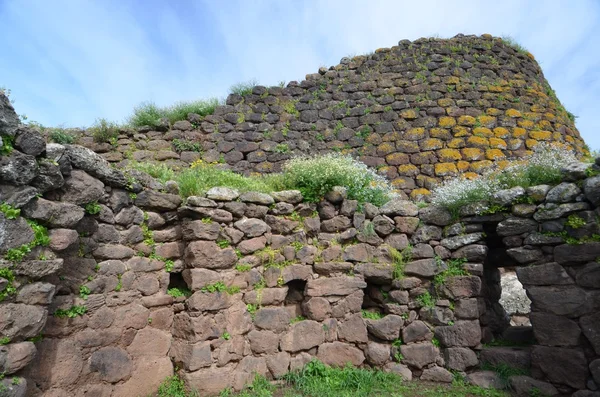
(73, 61)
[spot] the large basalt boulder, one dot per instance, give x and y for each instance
(112, 363)
(572, 371)
(387, 328)
(53, 213)
(157, 201)
(208, 255)
(18, 168)
(339, 354)
(19, 321)
(14, 233)
(16, 356)
(339, 286)
(552, 330)
(81, 188)
(419, 355)
(461, 334)
(95, 165)
(49, 178)
(29, 141)
(9, 120)
(303, 335)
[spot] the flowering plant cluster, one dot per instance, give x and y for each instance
(317, 175)
(543, 166)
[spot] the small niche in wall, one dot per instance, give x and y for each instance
(176, 281)
(295, 294)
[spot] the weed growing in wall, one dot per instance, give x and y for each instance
(159, 171)
(105, 131)
(243, 88)
(316, 176)
(542, 167)
(61, 136)
(149, 114)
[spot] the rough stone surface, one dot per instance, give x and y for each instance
(339, 354)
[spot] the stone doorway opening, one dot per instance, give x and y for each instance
(507, 306)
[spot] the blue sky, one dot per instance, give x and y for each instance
(70, 61)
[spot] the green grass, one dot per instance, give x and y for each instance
(243, 88)
(319, 380)
(178, 292)
(148, 113)
(159, 171)
(173, 386)
(372, 315)
(509, 41)
(198, 180)
(105, 131)
(61, 136)
(505, 371)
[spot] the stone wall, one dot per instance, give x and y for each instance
(274, 280)
(419, 112)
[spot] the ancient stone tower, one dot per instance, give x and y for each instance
(419, 112)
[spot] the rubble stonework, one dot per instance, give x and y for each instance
(276, 281)
(419, 112)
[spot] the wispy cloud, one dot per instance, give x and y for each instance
(72, 61)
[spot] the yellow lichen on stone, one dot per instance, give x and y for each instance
(446, 122)
(519, 132)
(495, 88)
(402, 183)
(467, 120)
(451, 80)
(407, 170)
(440, 133)
(456, 143)
(482, 131)
(463, 165)
(445, 102)
(494, 154)
(501, 132)
(446, 155)
(470, 175)
(531, 143)
(373, 139)
(515, 144)
(480, 166)
(478, 142)
(502, 164)
(517, 83)
(445, 169)
(526, 124)
(493, 112)
(487, 121)
(459, 130)
(537, 108)
(550, 116)
(569, 139)
(397, 158)
(419, 193)
(557, 136)
(385, 148)
(431, 144)
(544, 125)
(472, 154)
(415, 134)
(513, 113)
(408, 114)
(407, 146)
(540, 135)
(497, 143)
